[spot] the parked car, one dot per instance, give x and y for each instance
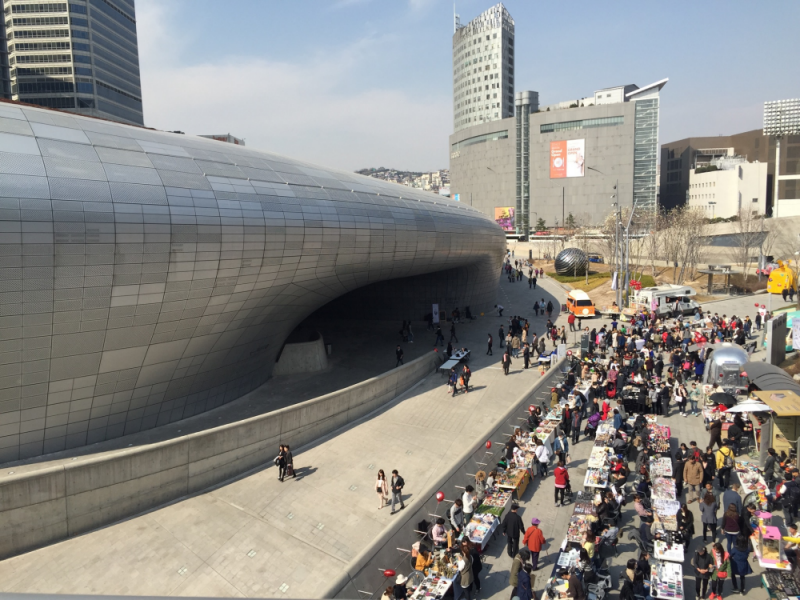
(595, 258)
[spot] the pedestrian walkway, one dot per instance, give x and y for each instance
(259, 537)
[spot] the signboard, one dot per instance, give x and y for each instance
(796, 334)
(567, 159)
(435, 313)
(504, 216)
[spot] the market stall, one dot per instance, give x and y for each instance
(785, 421)
(668, 551)
(754, 487)
(768, 549)
(514, 480)
(780, 585)
(437, 580)
(666, 581)
(481, 528)
(660, 466)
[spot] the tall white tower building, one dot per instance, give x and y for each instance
(483, 68)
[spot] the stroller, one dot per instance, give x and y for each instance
(568, 495)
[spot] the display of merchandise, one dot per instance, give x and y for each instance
(596, 477)
(584, 503)
(663, 489)
(660, 466)
(497, 499)
(666, 580)
(511, 478)
(781, 581)
(578, 526)
(481, 527)
(598, 457)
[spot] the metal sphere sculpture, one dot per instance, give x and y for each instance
(572, 261)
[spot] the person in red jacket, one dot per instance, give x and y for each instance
(571, 321)
(534, 540)
(561, 481)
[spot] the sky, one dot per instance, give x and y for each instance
(367, 83)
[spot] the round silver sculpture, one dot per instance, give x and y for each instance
(572, 261)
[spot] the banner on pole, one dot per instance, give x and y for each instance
(614, 281)
(435, 313)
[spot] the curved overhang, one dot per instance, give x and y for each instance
(148, 276)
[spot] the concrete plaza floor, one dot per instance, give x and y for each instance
(259, 537)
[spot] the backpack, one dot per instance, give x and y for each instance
(728, 461)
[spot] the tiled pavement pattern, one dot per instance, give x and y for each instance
(146, 277)
(259, 537)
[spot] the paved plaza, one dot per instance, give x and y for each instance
(258, 537)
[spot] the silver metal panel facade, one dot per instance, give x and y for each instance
(148, 276)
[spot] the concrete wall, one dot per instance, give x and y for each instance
(364, 572)
(303, 357)
(40, 505)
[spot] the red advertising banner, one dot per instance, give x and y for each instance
(558, 160)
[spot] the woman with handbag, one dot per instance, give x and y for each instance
(739, 563)
(382, 488)
(722, 567)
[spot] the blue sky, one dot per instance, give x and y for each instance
(358, 83)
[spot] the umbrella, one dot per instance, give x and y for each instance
(749, 406)
(722, 398)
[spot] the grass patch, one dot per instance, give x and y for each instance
(579, 278)
(595, 280)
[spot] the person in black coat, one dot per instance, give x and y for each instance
(513, 527)
(678, 470)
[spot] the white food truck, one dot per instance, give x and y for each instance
(666, 300)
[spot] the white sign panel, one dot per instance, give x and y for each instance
(435, 313)
(796, 334)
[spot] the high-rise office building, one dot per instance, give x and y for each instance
(81, 56)
(483, 69)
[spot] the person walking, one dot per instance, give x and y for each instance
(571, 321)
(280, 461)
(534, 540)
(439, 341)
(702, 571)
(520, 559)
(536, 308)
(399, 353)
(506, 361)
(740, 565)
(453, 333)
(561, 482)
(526, 355)
(512, 529)
(543, 456)
(722, 570)
(525, 583)
(466, 375)
(708, 516)
(549, 309)
(731, 525)
(715, 432)
(289, 462)
(534, 281)
(725, 464)
(693, 478)
(477, 564)
(397, 484)
(382, 488)
(501, 335)
(577, 418)
(468, 501)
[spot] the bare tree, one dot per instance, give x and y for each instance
(654, 241)
(748, 229)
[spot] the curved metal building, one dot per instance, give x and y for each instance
(147, 276)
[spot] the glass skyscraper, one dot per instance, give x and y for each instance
(81, 56)
(483, 69)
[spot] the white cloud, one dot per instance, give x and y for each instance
(301, 109)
